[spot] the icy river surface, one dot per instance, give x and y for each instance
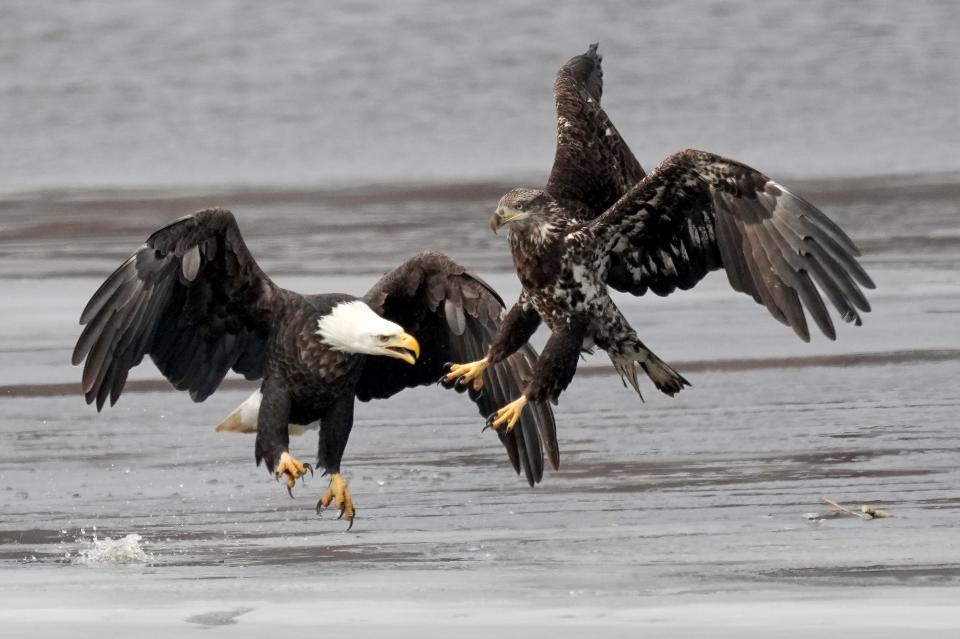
(685, 517)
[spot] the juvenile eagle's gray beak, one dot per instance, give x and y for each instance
(495, 222)
(503, 217)
(404, 346)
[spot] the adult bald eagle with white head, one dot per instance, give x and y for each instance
(601, 222)
(193, 298)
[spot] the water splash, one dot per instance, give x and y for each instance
(126, 550)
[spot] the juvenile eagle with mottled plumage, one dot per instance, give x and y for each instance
(601, 222)
(193, 298)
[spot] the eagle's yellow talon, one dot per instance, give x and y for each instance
(291, 469)
(469, 372)
(339, 495)
(510, 414)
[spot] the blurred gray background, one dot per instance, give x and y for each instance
(318, 93)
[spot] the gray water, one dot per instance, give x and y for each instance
(316, 93)
(683, 517)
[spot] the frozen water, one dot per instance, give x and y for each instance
(676, 517)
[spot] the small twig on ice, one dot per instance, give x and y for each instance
(846, 510)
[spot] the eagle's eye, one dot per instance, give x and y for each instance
(519, 206)
(383, 338)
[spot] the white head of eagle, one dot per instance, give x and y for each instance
(353, 327)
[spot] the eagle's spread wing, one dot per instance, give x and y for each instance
(192, 297)
(698, 212)
(454, 315)
(593, 166)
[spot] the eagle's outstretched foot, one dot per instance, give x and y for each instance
(292, 469)
(461, 375)
(509, 414)
(339, 495)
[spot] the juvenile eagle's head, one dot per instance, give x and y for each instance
(353, 327)
(522, 206)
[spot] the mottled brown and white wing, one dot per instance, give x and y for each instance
(192, 297)
(593, 166)
(698, 212)
(455, 315)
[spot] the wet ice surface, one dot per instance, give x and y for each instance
(684, 516)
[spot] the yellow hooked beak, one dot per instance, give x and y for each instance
(505, 216)
(404, 346)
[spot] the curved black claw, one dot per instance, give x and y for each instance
(459, 386)
(310, 468)
(319, 510)
(448, 383)
(474, 394)
(489, 424)
(290, 490)
(446, 371)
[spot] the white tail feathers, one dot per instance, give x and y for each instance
(244, 418)
(234, 424)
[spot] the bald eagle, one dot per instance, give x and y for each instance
(194, 299)
(601, 222)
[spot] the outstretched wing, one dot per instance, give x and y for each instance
(593, 166)
(697, 212)
(454, 315)
(192, 297)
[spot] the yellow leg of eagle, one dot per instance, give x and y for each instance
(338, 495)
(509, 414)
(292, 469)
(465, 373)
